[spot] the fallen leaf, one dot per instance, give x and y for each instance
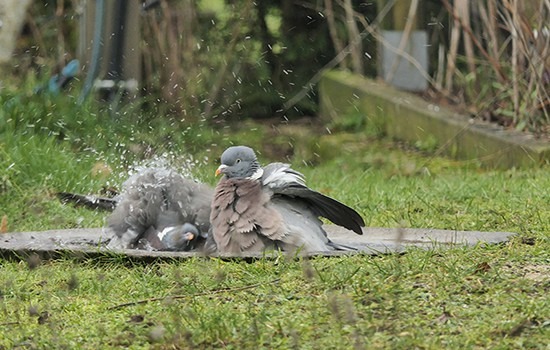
(483, 267)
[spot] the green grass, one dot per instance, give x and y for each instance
(472, 298)
(463, 298)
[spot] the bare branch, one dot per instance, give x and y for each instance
(411, 20)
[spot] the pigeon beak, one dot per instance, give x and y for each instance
(189, 236)
(221, 169)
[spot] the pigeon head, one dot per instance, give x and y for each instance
(181, 238)
(238, 161)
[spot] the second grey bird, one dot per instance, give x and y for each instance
(257, 208)
(154, 209)
(179, 238)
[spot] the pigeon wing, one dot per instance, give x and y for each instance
(284, 181)
(305, 230)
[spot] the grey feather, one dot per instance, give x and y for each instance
(89, 201)
(156, 199)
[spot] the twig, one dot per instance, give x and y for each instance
(329, 13)
(183, 296)
(356, 50)
(453, 48)
(464, 12)
(512, 20)
(527, 53)
(488, 19)
(515, 58)
(411, 21)
(495, 64)
(440, 71)
(59, 18)
(174, 60)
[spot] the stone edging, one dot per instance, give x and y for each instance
(407, 117)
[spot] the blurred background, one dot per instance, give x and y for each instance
(92, 91)
(215, 60)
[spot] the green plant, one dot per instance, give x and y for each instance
(513, 58)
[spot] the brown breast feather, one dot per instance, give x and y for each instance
(242, 217)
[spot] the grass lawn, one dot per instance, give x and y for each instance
(464, 298)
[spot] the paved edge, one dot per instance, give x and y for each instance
(407, 117)
(91, 243)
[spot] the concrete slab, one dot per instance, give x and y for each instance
(374, 241)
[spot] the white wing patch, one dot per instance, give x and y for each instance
(165, 232)
(257, 174)
(283, 175)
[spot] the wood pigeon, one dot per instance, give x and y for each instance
(159, 209)
(257, 208)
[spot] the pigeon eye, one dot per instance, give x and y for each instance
(238, 160)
